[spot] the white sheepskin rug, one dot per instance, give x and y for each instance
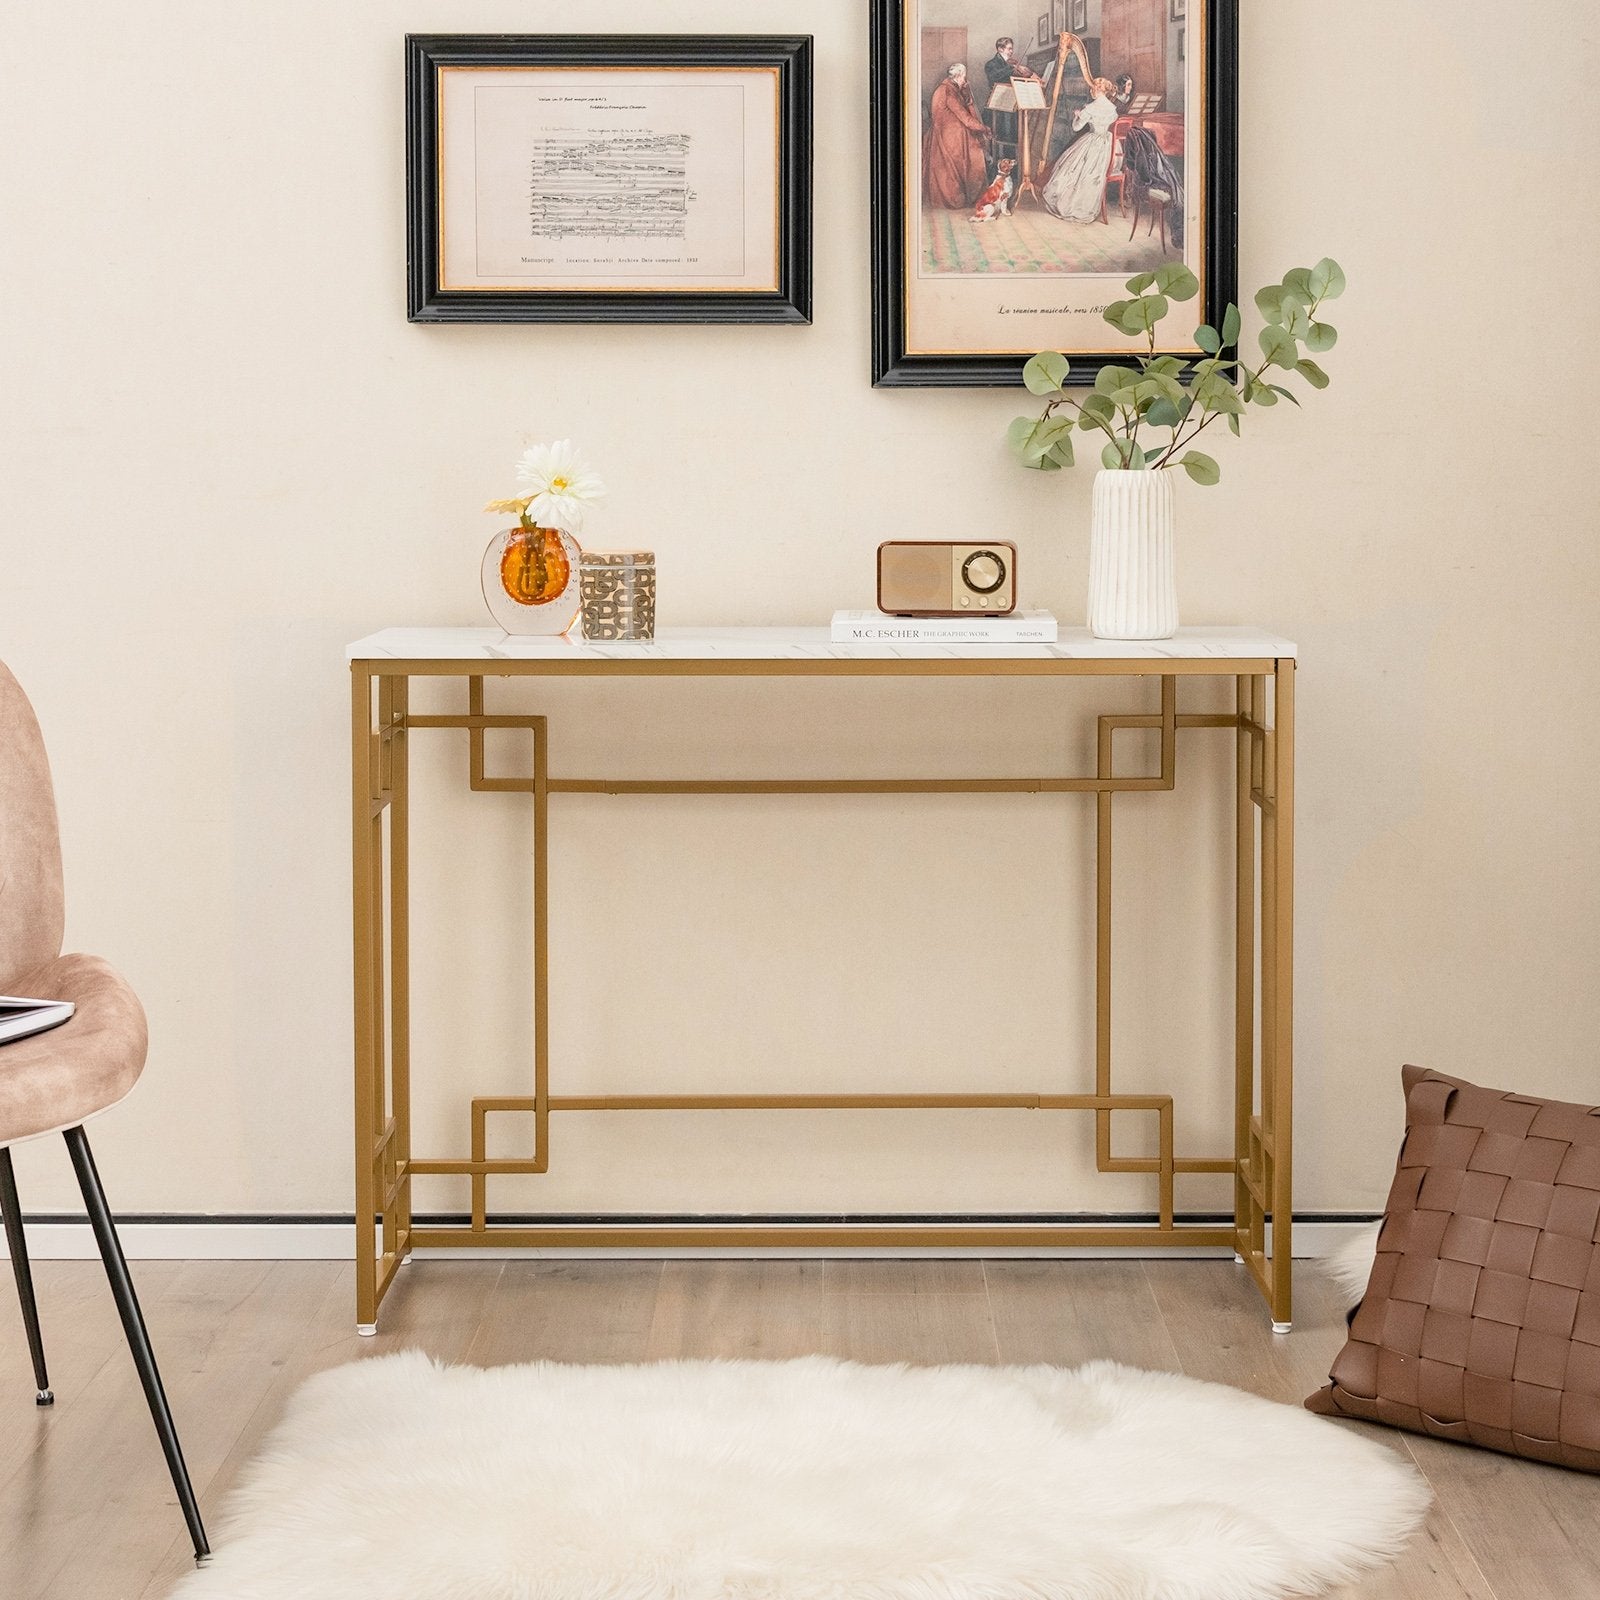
(397, 1479)
(1350, 1266)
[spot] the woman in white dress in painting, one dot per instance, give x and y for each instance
(1077, 187)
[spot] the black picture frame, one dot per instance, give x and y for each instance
(789, 54)
(893, 366)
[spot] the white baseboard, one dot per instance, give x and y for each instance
(200, 1240)
(204, 1239)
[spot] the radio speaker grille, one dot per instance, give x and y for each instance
(916, 577)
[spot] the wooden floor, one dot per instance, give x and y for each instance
(86, 1510)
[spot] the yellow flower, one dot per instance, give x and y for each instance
(513, 508)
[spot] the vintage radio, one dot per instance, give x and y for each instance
(943, 578)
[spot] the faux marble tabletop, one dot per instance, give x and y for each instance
(803, 644)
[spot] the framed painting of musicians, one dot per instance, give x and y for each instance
(1018, 185)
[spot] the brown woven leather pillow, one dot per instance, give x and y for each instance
(1481, 1321)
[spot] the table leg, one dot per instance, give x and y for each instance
(1244, 970)
(400, 961)
(366, 848)
(541, 944)
(1281, 1126)
(1102, 947)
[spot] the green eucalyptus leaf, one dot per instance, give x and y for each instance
(1217, 394)
(1113, 313)
(1176, 281)
(1140, 282)
(1136, 457)
(1327, 279)
(1163, 414)
(1109, 379)
(1312, 373)
(1287, 394)
(1200, 466)
(1020, 432)
(1262, 395)
(1230, 325)
(1298, 323)
(1046, 373)
(1208, 338)
(1321, 337)
(1233, 425)
(1278, 346)
(1111, 456)
(1061, 451)
(1141, 315)
(1298, 283)
(1042, 449)
(1166, 366)
(1047, 433)
(1096, 410)
(1270, 303)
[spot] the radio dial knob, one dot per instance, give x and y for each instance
(983, 572)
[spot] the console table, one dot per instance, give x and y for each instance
(1262, 668)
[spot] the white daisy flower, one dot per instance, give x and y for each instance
(559, 484)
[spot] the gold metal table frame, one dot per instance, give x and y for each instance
(1263, 723)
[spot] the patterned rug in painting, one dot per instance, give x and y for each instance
(1030, 240)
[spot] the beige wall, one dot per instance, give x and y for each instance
(226, 453)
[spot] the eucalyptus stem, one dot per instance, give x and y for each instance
(1148, 391)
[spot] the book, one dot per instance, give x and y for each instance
(19, 1017)
(877, 627)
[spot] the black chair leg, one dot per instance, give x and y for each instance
(105, 1235)
(17, 1244)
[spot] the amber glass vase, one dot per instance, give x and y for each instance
(534, 566)
(530, 580)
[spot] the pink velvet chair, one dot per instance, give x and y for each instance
(53, 1082)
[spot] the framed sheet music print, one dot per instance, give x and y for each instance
(1016, 188)
(608, 178)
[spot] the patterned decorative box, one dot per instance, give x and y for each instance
(619, 594)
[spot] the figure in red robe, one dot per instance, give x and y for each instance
(954, 167)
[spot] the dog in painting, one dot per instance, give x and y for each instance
(995, 201)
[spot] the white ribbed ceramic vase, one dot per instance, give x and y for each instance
(1133, 583)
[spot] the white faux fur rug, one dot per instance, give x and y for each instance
(1350, 1266)
(396, 1479)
